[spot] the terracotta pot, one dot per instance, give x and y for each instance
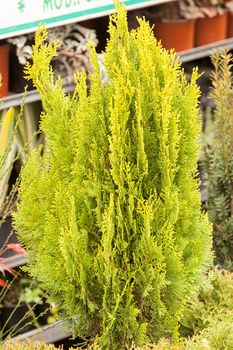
(175, 35)
(230, 25)
(209, 30)
(4, 68)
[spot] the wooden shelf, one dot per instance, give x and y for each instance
(14, 100)
(205, 50)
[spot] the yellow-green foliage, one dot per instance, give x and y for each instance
(211, 306)
(162, 345)
(217, 336)
(110, 214)
(27, 345)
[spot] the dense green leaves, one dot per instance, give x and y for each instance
(110, 214)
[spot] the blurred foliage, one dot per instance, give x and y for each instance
(213, 304)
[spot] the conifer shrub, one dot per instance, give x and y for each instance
(163, 344)
(218, 161)
(110, 213)
(212, 305)
(217, 336)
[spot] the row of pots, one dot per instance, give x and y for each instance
(186, 34)
(182, 35)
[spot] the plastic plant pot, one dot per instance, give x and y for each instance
(209, 30)
(176, 35)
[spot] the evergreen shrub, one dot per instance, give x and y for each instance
(218, 161)
(217, 336)
(212, 305)
(110, 213)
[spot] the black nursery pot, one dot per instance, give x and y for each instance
(42, 312)
(17, 82)
(13, 320)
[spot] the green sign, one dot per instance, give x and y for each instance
(22, 16)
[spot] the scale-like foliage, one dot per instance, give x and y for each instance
(218, 161)
(110, 214)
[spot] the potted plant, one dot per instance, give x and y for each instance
(110, 213)
(73, 54)
(212, 27)
(174, 24)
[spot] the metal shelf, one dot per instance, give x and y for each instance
(14, 100)
(15, 261)
(48, 334)
(205, 50)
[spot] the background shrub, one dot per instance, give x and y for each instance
(218, 161)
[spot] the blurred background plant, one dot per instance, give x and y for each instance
(73, 52)
(212, 305)
(17, 248)
(19, 133)
(217, 159)
(28, 136)
(210, 8)
(24, 307)
(7, 151)
(23, 303)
